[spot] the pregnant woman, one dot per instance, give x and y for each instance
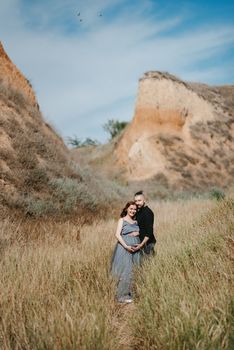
(125, 257)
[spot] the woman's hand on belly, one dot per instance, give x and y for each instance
(136, 247)
(130, 249)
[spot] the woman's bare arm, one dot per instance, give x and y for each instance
(120, 239)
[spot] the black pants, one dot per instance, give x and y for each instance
(148, 249)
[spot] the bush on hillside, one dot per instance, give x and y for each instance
(77, 143)
(217, 193)
(13, 97)
(38, 207)
(104, 190)
(114, 127)
(71, 192)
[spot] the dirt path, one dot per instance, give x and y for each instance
(124, 333)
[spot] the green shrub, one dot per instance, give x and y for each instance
(38, 207)
(217, 194)
(103, 189)
(114, 127)
(36, 178)
(77, 143)
(72, 192)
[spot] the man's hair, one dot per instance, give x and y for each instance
(139, 193)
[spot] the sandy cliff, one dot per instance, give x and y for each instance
(181, 133)
(11, 75)
(31, 152)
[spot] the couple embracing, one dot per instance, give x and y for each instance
(136, 241)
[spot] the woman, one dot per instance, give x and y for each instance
(124, 256)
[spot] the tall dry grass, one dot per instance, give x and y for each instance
(185, 295)
(56, 291)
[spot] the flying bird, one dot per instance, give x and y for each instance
(81, 20)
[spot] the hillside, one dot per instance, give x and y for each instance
(37, 174)
(180, 137)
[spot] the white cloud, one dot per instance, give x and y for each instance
(83, 79)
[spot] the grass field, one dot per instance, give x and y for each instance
(56, 291)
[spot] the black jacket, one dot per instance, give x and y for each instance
(145, 219)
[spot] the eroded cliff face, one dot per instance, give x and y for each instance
(31, 152)
(181, 133)
(12, 76)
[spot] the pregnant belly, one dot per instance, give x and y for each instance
(133, 234)
(131, 240)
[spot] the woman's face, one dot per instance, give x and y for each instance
(132, 210)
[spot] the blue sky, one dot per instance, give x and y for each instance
(85, 73)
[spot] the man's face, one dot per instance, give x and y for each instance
(140, 201)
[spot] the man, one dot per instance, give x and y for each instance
(145, 219)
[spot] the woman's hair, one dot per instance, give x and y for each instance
(124, 211)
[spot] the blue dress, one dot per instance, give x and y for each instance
(123, 261)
